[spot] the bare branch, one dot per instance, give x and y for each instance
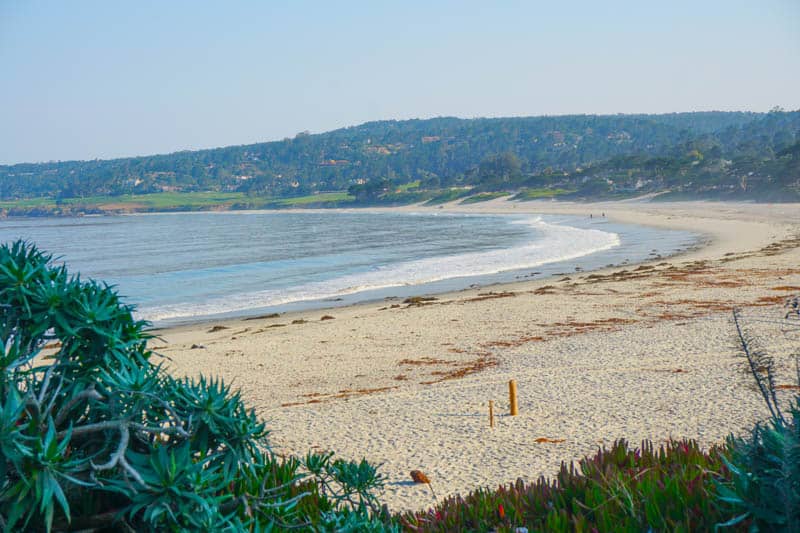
(34, 403)
(132, 471)
(89, 393)
(124, 439)
(754, 368)
(171, 410)
(118, 458)
(176, 419)
(167, 430)
(117, 424)
(93, 428)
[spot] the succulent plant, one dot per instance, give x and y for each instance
(94, 435)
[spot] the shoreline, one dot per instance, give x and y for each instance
(634, 250)
(635, 351)
(706, 241)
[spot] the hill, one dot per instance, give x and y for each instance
(708, 154)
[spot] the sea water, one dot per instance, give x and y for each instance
(187, 267)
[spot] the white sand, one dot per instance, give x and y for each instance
(645, 354)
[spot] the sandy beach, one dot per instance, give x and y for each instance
(644, 351)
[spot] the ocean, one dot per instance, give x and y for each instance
(187, 267)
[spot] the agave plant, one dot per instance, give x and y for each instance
(93, 434)
(764, 488)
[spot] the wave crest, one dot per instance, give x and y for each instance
(554, 243)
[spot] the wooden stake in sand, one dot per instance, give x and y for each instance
(512, 397)
(491, 413)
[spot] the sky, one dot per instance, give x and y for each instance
(103, 79)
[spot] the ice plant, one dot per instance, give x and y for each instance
(619, 489)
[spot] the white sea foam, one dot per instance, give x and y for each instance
(553, 243)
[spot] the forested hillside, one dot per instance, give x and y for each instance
(709, 154)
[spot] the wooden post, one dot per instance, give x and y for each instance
(512, 397)
(491, 413)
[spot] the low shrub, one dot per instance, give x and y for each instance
(764, 486)
(442, 196)
(95, 436)
(484, 197)
(619, 489)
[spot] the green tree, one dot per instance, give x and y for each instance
(499, 170)
(369, 191)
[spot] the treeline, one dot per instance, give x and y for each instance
(709, 153)
(759, 160)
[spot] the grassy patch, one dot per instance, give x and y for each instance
(27, 202)
(536, 194)
(404, 198)
(169, 201)
(448, 195)
(406, 186)
(313, 199)
(155, 201)
(483, 197)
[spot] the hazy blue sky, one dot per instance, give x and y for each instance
(81, 79)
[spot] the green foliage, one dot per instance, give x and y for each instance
(173, 201)
(483, 197)
(538, 194)
(448, 195)
(619, 489)
(314, 199)
(733, 154)
(765, 482)
(369, 191)
(94, 435)
(164, 201)
(352, 482)
(498, 171)
(406, 187)
(764, 487)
